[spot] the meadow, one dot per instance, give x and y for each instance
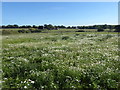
(33, 30)
(61, 60)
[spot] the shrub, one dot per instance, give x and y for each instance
(7, 32)
(80, 31)
(100, 30)
(32, 30)
(65, 37)
(117, 28)
(21, 31)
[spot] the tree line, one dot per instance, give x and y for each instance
(54, 27)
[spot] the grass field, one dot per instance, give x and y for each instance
(61, 60)
(28, 30)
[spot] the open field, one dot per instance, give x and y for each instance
(30, 30)
(61, 60)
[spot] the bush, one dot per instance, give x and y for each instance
(21, 31)
(80, 31)
(100, 30)
(32, 30)
(7, 32)
(65, 37)
(117, 28)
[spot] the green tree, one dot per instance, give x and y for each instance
(40, 27)
(117, 28)
(34, 26)
(49, 27)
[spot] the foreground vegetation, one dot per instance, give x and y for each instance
(61, 60)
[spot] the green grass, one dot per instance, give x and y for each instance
(12, 31)
(61, 60)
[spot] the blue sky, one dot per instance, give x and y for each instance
(59, 13)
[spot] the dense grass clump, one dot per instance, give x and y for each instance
(51, 60)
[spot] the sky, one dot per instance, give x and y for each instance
(59, 13)
(60, 0)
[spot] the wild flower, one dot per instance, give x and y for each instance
(86, 58)
(25, 86)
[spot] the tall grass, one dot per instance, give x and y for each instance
(51, 60)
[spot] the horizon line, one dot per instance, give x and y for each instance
(55, 25)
